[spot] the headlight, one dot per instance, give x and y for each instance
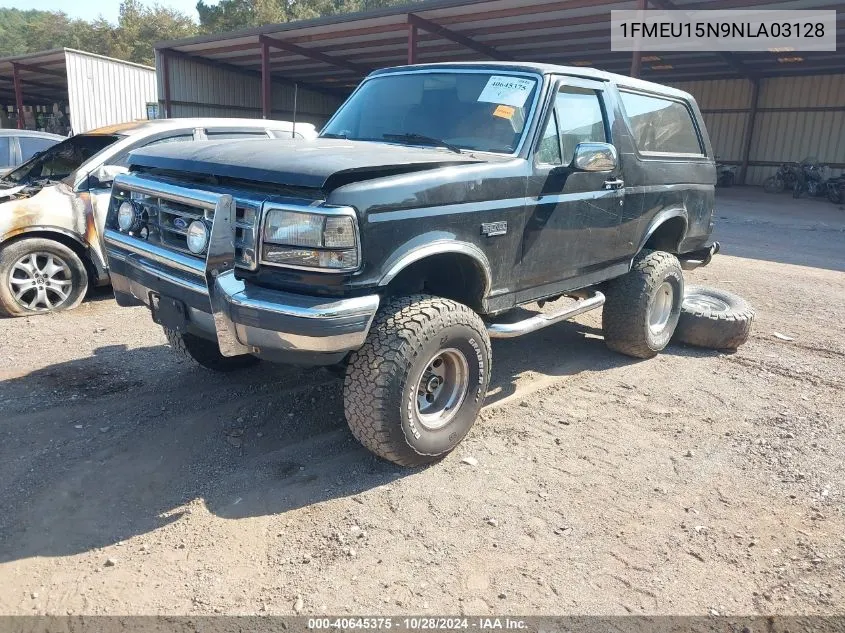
(197, 237)
(310, 240)
(127, 216)
(296, 229)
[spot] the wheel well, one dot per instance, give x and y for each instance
(66, 240)
(448, 275)
(667, 237)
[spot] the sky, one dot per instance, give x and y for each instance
(90, 9)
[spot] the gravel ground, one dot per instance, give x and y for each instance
(694, 483)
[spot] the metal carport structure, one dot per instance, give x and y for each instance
(97, 90)
(327, 57)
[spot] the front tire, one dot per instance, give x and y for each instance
(206, 353)
(39, 275)
(642, 307)
(414, 389)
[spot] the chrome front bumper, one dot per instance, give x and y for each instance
(244, 319)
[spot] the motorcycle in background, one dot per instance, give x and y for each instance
(835, 189)
(808, 175)
(725, 175)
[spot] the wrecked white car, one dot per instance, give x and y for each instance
(53, 207)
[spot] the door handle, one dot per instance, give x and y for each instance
(616, 183)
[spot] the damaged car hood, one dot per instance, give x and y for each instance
(5, 194)
(318, 164)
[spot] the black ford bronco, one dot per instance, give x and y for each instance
(435, 200)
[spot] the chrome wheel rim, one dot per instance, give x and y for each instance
(40, 281)
(661, 307)
(442, 389)
(705, 303)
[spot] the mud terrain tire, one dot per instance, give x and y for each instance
(714, 318)
(390, 379)
(642, 307)
(206, 353)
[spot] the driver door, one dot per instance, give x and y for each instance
(573, 215)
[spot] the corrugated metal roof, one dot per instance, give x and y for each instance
(336, 51)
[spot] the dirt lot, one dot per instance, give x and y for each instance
(696, 482)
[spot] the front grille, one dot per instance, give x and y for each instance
(165, 222)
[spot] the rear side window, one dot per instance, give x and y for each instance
(31, 145)
(219, 136)
(5, 159)
(179, 138)
(661, 125)
(122, 159)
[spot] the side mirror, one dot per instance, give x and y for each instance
(595, 157)
(104, 175)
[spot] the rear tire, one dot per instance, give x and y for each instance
(206, 353)
(642, 307)
(714, 318)
(414, 389)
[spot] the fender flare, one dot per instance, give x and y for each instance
(410, 253)
(660, 219)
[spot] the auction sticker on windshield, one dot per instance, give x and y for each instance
(504, 112)
(512, 91)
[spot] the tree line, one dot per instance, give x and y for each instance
(140, 25)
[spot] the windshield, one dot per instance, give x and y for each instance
(61, 160)
(484, 111)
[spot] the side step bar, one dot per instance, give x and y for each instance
(593, 299)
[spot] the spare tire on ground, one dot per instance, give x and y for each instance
(713, 318)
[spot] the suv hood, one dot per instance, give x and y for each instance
(319, 163)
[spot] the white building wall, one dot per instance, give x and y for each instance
(104, 91)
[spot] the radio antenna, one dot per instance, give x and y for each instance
(295, 95)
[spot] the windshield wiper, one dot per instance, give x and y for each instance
(334, 135)
(413, 137)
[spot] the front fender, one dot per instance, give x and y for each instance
(55, 210)
(434, 243)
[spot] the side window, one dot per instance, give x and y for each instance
(170, 139)
(5, 157)
(31, 145)
(661, 125)
(122, 159)
(221, 135)
(549, 151)
(580, 118)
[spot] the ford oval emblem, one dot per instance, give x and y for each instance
(180, 223)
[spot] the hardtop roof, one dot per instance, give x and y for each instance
(549, 69)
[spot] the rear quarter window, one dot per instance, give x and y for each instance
(226, 134)
(660, 125)
(5, 157)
